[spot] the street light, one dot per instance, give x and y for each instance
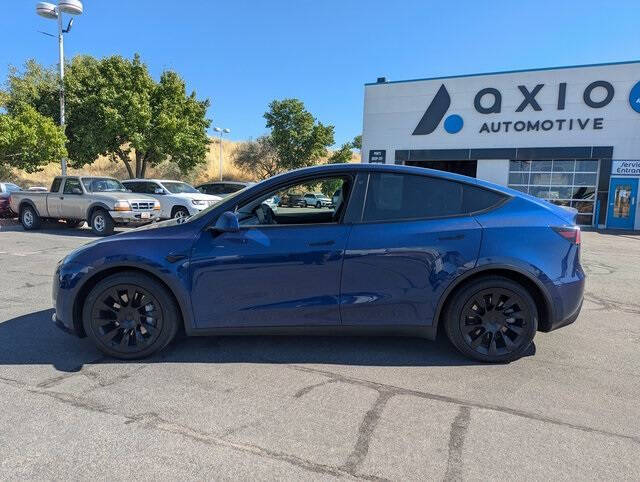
(221, 131)
(54, 12)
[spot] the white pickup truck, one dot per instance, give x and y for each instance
(101, 201)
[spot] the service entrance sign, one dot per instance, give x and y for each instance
(628, 167)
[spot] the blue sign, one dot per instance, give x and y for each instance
(634, 97)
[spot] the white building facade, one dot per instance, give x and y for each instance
(570, 135)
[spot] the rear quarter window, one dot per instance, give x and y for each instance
(55, 185)
(404, 196)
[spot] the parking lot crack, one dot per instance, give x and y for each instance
(457, 401)
(365, 432)
(457, 434)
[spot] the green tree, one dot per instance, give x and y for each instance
(357, 142)
(342, 155)
(115, 109)
(297, 137)
(29, 140)
(258, 158)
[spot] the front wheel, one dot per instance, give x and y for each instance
(101, 223)
(180, 214)
(130, 315)
(318, 205)
(492, 319)
(29, 218)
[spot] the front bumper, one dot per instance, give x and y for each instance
(134, 217)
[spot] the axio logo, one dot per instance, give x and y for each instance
(434, 114)
(634, 97)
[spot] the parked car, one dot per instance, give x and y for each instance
(292, 200)
(317, 200)
(223, 188)
(177, 199)
(405, 251)
(101, 201)
(6, 188)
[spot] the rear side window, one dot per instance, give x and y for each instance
(403, 196)
(55, 185)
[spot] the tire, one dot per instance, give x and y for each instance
(489, 329)
(318, 205)
(74, 223)
(101, 223)
(180, 213)
(118, 323)
(29, 218)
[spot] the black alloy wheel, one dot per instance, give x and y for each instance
(492, 320)
(124, 317)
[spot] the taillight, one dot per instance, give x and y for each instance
(571, 234)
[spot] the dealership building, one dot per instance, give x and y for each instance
(570, 135)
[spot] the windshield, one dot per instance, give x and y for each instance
(175, 187)
(102, 184)
(12, 187)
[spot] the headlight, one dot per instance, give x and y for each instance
(156, 206)
(122, 206)
(198, 202)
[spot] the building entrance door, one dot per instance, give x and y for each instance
(623, 198)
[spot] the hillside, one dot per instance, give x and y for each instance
(105, 167)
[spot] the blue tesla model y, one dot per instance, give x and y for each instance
(398, 251)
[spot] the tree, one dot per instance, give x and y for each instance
(29, 140)
(115, 109)
(258, 157)
(342, 155)
(298, 139)
(357, 142)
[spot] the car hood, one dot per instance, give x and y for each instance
(118, 196)
(197, 196)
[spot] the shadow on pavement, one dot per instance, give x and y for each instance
(34, 340)
(59, 229)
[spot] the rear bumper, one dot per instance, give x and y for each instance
(567, 299)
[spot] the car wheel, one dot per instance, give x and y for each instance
(492, 319)
(101, 223)
(180, 214)
(130, 315)
(29, 218)
(318, 205)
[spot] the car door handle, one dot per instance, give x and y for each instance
(451, 238)
(321, 243)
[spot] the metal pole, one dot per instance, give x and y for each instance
(61, 54)
(220, 155)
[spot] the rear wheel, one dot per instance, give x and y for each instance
(492, 319)
(101, 223)
(130, 315)
(29, 218)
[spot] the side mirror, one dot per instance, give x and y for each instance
(227, 223)
(76, 190)
(158, 190)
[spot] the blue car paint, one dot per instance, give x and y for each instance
(262, 276)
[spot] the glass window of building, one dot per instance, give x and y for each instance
(566, 182)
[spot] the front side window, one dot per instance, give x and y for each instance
(280, 206)
(393, 197)
(102, 184)
(72, 186)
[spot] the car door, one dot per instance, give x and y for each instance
(414, 238)
(70, 205)
(269, 275)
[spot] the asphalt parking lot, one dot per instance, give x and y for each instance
(266, 408)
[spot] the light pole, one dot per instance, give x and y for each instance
(54, 12)
(221, 131)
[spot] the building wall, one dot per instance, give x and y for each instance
(493, 170)
(393, 110)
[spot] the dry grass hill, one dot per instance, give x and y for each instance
(105, 167)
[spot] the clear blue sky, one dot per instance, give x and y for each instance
(243, 54)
